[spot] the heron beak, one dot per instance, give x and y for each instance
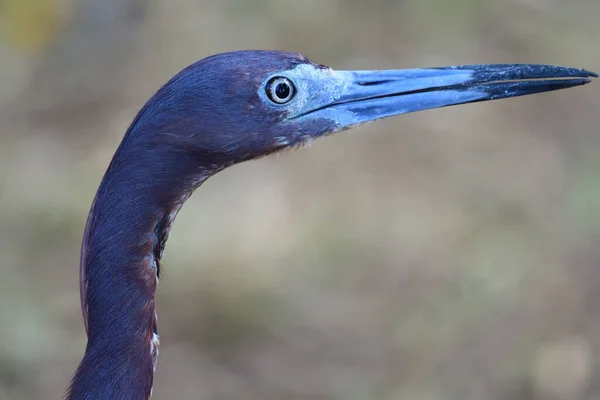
(370, 95)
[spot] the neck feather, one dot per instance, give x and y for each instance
(127, 228)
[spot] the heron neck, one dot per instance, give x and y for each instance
(125, 235)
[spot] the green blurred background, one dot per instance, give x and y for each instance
(449, 254)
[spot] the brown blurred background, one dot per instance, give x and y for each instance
(449, 254)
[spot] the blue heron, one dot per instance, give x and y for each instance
(220, 111)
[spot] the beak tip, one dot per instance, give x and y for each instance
(584, 73)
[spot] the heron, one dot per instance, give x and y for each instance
(220, 111)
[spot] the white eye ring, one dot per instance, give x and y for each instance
(280, 90)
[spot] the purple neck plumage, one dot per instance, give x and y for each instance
(189, 130)
(128, 225)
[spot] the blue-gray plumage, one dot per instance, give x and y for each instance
(220, 111)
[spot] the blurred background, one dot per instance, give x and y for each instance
(448, 254)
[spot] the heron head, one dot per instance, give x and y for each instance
(241, 105)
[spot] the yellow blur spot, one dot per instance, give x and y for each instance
(30, 24)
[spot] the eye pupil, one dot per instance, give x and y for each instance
(280, 90)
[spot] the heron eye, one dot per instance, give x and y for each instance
(280, 90)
